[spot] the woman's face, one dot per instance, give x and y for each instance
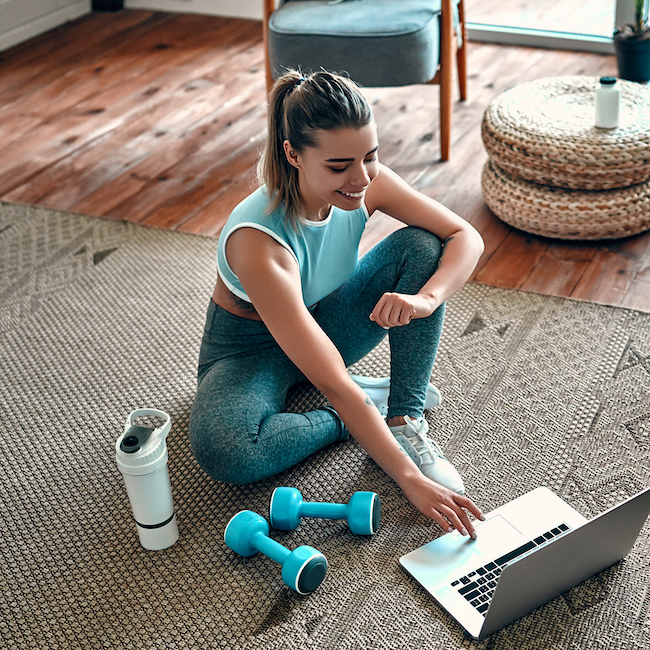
(337, 171)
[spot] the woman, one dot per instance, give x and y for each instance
(292, 301)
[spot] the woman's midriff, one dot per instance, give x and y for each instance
(227, 300)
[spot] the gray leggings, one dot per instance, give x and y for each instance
(238, 431)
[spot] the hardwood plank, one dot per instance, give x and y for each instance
(52, 59)
(560, 269)
(191, 171)
(31, 89)
(213, 198)
(613, 270)
(494, 233)
(210, 219)
(29, 57)
(109, 74)
(158, 164)
(638, 294)
(512, 262)
(166, 125)
(113, 107)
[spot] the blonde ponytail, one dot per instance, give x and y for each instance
(299, 106)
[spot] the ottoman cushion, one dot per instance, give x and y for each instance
(563, 213)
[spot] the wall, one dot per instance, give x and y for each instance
(20, 20)
(231, 8)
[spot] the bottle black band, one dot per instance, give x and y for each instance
(153, 526)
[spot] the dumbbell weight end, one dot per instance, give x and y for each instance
(364, 513)
(285, 508)
(304, 569)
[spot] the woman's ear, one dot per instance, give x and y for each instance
(291, 155)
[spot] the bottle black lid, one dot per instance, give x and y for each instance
(608, 81)
(134, 438)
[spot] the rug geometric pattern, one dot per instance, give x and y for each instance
(98, 318)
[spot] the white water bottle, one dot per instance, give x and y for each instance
(141, 454)
(608, 102)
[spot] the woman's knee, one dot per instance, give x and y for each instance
(420, 246)
(224, 453)
(416, 254)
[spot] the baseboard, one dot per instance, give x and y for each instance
(18, 30)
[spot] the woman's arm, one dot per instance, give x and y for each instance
(463, 247)
(271, 279)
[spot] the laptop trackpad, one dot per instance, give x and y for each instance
(452, 555)
(494, 534)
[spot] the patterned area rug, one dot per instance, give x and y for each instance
(98, 318)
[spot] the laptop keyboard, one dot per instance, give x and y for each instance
(478, 586)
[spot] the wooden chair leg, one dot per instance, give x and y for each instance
(446, 58)
(461, 54)
(269, 8)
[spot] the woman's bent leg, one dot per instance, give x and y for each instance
(237, 430)
(403, 263)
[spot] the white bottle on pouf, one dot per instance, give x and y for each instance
(608, 102)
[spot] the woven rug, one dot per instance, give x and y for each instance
(98, 318)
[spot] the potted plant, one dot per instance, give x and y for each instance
(632, 43)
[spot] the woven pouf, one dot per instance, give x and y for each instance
(566, 214)
(543, 131)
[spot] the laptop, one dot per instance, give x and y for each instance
(527, 552)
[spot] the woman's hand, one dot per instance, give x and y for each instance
(445, 507)
(397, 309)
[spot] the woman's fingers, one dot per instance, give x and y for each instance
(392, 310)
(458, 519)
(398, 309)
(468, 504)
(454, 513)
(441, 521)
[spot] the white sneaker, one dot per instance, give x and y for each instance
(425, 453)
(378, 388)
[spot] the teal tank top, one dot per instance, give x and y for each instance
(326, 251)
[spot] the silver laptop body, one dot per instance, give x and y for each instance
(528, 552)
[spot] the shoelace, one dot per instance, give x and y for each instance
(423, 443)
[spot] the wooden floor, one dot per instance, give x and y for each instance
(158, 118)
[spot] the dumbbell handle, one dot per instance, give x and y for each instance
(270, 547)
(324, 510)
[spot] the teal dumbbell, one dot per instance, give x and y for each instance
(303, 569)
(363, 511)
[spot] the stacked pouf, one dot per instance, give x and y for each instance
(551, 172)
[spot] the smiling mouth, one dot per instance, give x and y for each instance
(352, 195)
